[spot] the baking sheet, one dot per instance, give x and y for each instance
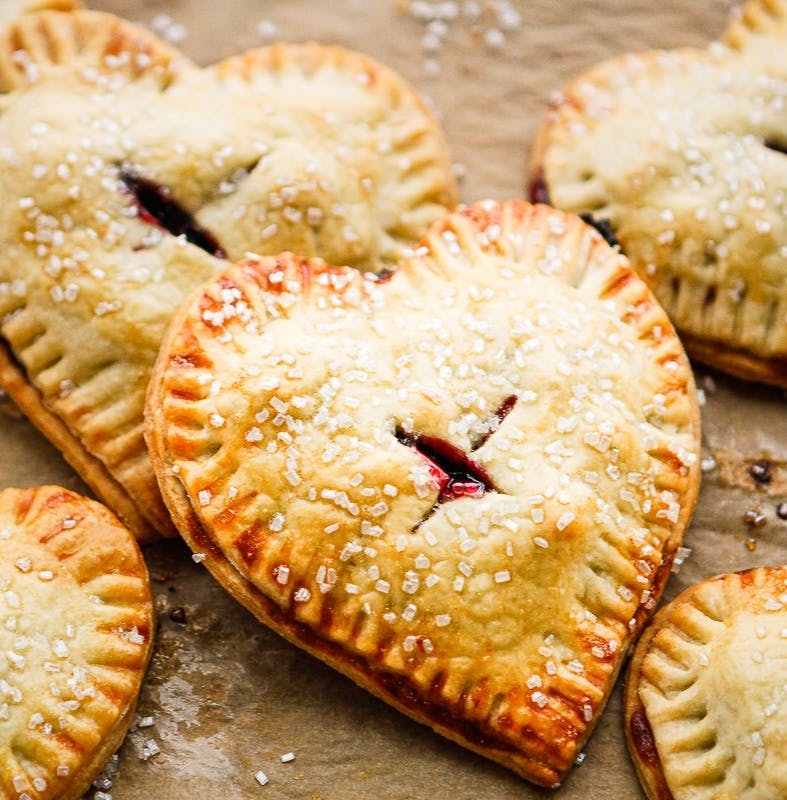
(228, 697)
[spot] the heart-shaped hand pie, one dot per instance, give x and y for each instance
(684, 154)
(706, 698)
(76, 639)
(128, 174)
(461, 485)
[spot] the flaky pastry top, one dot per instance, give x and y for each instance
(684, 152)
(76, 628)
(128, 175)
(468, 476)
(709, 684)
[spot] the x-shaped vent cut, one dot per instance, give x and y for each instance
(456, 473)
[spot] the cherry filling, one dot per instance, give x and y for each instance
(538, 189)
(454, 471)
(642, 737)
(604, 227)
(156, 206)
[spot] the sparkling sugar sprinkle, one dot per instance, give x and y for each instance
(488, 24)
(267, 30)
(470, 535)
(168, 29)
(149, 749)
(261, 777)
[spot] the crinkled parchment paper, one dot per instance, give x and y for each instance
(228, 697)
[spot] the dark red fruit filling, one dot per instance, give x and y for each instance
(642, 737)
(156, 206)
(506, 407)
(454, 471)
(538, 189)
(457, 474)
(604, 227)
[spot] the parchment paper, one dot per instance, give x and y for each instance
(229, 697)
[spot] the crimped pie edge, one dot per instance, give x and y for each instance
(67, 543)
(396, 692)
(85, 36)
(639, 734)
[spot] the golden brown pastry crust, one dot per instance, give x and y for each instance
(705, 694)
(77, 635)
(474, 674)
(737, 362)
(10, 9)
(639, 734)
(682, 152)
(310, 147)
(91, 470)
(756, 19)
